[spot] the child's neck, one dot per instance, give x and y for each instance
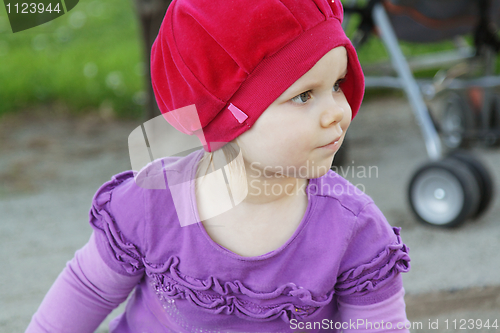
(260, 223)
(274, 189)
(246, 184)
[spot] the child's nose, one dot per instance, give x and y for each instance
(333, 112)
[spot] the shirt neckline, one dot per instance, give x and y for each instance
(305, 219)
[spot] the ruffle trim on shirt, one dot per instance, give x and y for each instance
(222, 298)
(123, 251)
(363, 279)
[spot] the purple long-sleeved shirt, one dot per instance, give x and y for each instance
(342, 262)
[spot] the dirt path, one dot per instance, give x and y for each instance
(51, 165)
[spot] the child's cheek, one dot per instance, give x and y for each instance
(346, 121)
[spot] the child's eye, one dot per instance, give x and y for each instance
(302, 98)
(336, 86)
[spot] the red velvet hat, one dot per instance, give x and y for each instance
(217, 65)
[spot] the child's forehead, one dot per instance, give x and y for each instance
(332, 66)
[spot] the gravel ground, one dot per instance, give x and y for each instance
(51, 165)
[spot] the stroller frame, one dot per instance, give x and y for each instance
(435, 181)
(407, 82)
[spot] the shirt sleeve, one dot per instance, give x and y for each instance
(374, 258)
(118, 217)
(382, 317)
(85, 292)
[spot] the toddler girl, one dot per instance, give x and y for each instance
(285, 245)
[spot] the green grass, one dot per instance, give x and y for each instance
(48, 63)
(92, 57)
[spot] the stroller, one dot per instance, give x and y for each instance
(456, 186)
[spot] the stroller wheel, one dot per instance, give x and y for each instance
(483, 178)
(457, 123)
(444, 193)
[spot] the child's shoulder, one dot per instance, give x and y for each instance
(131, 194)
(340, 190)
(131, 186)
(128, 209)
(168, 171)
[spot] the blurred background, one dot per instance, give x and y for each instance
(72, 90)
(87, 60)
(92, 60)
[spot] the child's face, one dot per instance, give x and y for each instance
(295, 133)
